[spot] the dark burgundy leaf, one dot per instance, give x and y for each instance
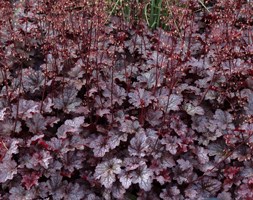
(30, 180)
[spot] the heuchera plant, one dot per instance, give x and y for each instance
(94, 107)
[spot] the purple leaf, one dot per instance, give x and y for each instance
(8, 168)
(53, 168)
(208, 186)
(19, 193)
(242, 153)
(138, 145)
(118, 191)
(202, 155)
(171, 103)
(47, 105)
(33, 80)
(41, 158)
(50, 121)
(92, 197)
(129, 126)
(224, 196)
(151, 78)
(115, 138)
(11, 149)
(170, 192)
(37, 124)
(2, 114)
(154, 117)
(132, 163)
(218, 149)
(115, 93)
(72, 160)
(7, 126)
(193, 110)
(67, 100)
(58, 145)
(191, 193)
(76, 122)
(77, 142)
(223, 120)
(157, 59)
(199, 123)
(56, 186)
(167, 160)
(106, 171)
(126, 179)
(249, 106)
(77, 71)
(70, 126)
(26, 109)
(140, 98)
(163, 177)
(178, 126)
(144, 177)
(73, 191)
(171, 144)
(184, 164)
(99, 146)
(63, 130)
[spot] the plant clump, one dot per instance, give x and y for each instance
(97, 106)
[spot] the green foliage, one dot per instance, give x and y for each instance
(156, 13)
(153, 13)
(151, 10)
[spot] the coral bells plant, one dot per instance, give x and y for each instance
(94, 106)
